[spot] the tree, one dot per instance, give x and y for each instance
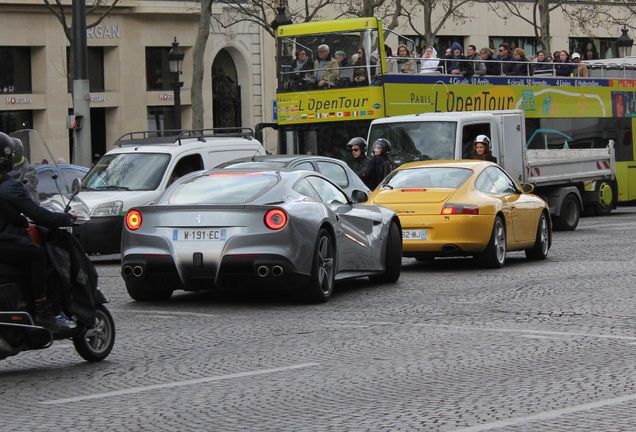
(198, 56)
(452, 9)
(100, 8)
(539, 19)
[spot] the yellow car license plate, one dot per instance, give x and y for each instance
(414, 235)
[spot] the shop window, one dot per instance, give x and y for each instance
(95, 61)
(593, 48)
(15, 70)
(157, 69)
(160, 118)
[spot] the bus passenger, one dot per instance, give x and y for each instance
(459, 64)
(492, 66)
(326, 69)
(429, 62)
(478, 65)
(564, 67)
(507, 60)
(581, 68)
(300, 66)
(360, 73)
(405, 63)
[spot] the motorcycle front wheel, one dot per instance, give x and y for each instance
(94, 344)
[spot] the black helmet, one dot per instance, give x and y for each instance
(6, 153)
(357, 141)
(484, 140)
(18, 151)
(384, 144)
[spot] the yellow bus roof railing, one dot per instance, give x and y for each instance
(330, 26)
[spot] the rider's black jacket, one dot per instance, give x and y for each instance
(14, 194)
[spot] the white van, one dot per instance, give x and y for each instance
(141, 167)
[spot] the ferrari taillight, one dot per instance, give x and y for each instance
(275, 219)
(464, 209)
(133, 220)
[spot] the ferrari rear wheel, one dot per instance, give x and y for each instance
(539, 251)
(392, 257)
(323, 271)
(140, 291)
(495, 254)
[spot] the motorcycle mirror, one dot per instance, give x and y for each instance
(75, 186)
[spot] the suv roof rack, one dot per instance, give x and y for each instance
(172, 136)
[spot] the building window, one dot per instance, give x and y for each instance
(95, 60)
(528, 44)
(593, 49)
(161, 118)
(11, 121)
(15, 70)
(157, 69)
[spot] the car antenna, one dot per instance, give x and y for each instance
(255, 154)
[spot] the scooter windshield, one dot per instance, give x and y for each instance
(35, 164)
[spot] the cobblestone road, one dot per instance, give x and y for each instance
(547, 346)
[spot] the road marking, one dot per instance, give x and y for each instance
(177, 384)
(548, 415)
(163, 313)
(542, 332)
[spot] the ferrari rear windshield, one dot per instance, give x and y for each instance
(222, 188)
(425, 177)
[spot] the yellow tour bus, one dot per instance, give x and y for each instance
(320, 105)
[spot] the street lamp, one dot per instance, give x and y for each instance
(624, 44)
(175, 60)
(281, 18)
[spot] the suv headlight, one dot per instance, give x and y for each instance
(108, 209)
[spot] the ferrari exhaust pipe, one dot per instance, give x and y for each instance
(128, 271)
(277, 271)
(137, 271)
(262, 271)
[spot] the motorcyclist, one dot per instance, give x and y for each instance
(23, 171)
(16, 246)
(361, 164)
(382, 161)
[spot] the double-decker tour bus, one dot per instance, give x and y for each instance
(560, 111)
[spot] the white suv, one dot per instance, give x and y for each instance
(141, 167)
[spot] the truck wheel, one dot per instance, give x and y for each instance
(495, 254)
(570, 214)
(140, 291)
(539, 251)
(606, 199)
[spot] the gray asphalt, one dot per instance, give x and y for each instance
(535, 346)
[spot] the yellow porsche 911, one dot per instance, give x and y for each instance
(465, 208)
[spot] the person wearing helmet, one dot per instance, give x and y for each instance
(382, 160)
(23, 171)
(360, 162)
(16, 247)
(483, 149)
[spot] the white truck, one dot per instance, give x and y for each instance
(569, 179)
(140, 168)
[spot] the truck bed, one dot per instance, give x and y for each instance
(547, 167)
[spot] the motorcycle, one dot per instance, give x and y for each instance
(70, 272)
